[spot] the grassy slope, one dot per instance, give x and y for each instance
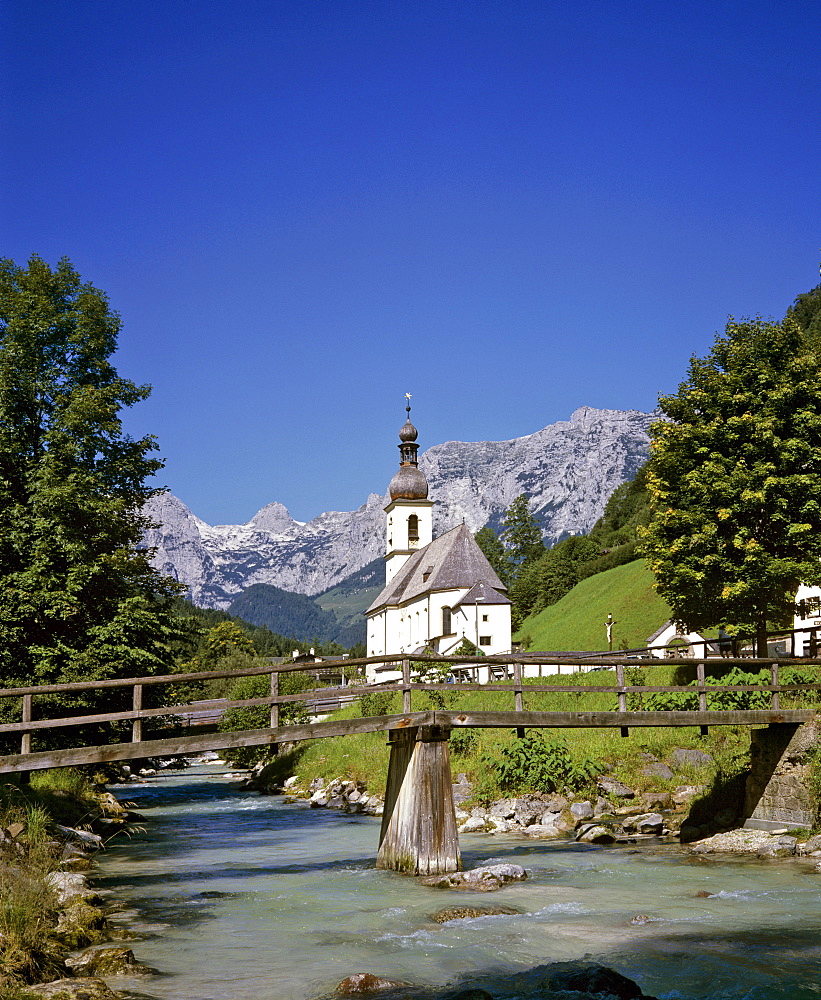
(365, 757)
(577, 620)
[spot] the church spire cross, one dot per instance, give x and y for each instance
(409, 483)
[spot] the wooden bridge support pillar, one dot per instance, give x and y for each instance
(418, 834)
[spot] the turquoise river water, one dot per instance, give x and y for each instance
(237, 896)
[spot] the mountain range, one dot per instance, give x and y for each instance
(568, 470)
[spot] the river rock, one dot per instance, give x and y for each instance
(72, 989)
(486, 879)
(810, 846)
(528, 810)
(661, 800)
(107, 961)
(646, 823)
(475, 824)
(504, 808)
(690, 757)
(89, 841)
(366, 982)
(582, 810)
(591, 979)
(612, 786)
(469, 912)
(684, 794)
(543, 831)
(640, 919)
(595, 834)
(462, 789)
(555, 803)
(68, 885)
(499, 825)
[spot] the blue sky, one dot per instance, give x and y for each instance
(303, 210)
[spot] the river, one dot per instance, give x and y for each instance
(237, 896)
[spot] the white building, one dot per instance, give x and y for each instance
(808, 620)
(438, 592)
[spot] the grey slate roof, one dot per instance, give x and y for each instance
(482, 593)
(452, 560)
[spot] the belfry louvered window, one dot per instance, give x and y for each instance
(413, 528)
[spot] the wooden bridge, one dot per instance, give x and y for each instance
(419, 826)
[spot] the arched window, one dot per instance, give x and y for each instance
(413, 529)
(446, 625)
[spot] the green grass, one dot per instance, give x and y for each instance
(577, 620)
(364, 757)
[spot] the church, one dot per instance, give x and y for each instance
(438, 591)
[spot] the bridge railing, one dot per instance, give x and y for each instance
(517, 687)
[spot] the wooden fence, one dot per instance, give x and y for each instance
(515, 686)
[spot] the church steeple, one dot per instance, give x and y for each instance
(409, 483)
(409, 524)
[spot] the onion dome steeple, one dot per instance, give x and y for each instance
(409, 482)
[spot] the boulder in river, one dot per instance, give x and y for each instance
(366, 982)
(590, 979)
(486, 879)
(88, 988)
(107, 961)
(443, 916)
(594, 833)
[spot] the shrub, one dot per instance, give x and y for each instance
(535, 764)
(378, 703)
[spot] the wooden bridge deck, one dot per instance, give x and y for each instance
(30, 758)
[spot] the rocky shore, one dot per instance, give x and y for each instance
(689, 814)
(79, 944)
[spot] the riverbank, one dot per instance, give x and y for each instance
(55, 935)
(706, 816)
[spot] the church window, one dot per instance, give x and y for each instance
(413, 528)
(484, 640)
(446, 624)
(484, 618)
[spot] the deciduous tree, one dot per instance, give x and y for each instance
(735, 480)
(78, 597)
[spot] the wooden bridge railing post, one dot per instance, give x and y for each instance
(518, 696)
(406, 691)
(622, 695)
(137, 705)
(25, 739)
(274, 717)
(274, 694)
(775, 696)
(702, 694)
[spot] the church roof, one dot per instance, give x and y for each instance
(450, 561)
(481, 593)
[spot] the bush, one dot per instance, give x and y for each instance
(378, 703)
(534, 763)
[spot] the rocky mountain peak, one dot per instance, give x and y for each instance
(567, 469)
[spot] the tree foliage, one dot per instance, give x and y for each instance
(735, 480)
(521, 534)
(491, 545)
(78, 597)
(806, 312)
